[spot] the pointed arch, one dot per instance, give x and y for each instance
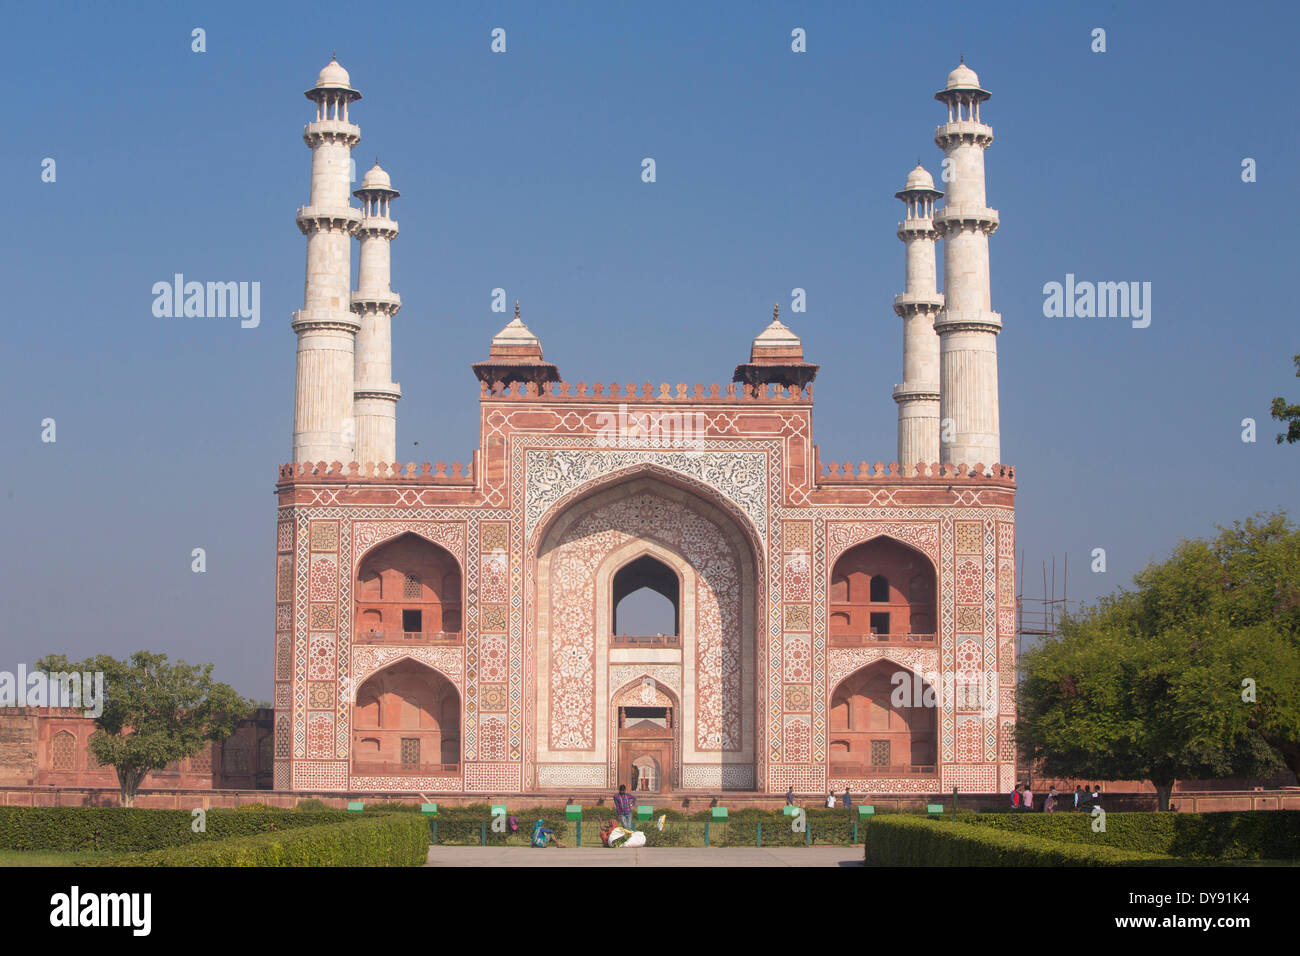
(571, 733)
(406, 720)
(882, 589)
(408, 589)
(884, 721)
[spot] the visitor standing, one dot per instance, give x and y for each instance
(1015, 798)
(1029, 798)
(624, 806)
(789, 797)
(1078, 797)
(830, 800)
(848, 800)
(1049, 805)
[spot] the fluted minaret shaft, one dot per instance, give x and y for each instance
(323, 427)
(967, 326)
(374, 303)
(918, 396)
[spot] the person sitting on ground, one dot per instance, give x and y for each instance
(542, 836)
(606, 830)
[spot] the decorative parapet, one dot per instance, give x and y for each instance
(460, 475)
(835, 473)
(664, 392)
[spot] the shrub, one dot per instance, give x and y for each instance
(119, 829)
(389, 839)
(918, 841)
(1249, 835)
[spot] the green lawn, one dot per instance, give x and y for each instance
(49, 857)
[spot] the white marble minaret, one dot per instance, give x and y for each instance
(323, 426)
(967, 326)
(918, 396)
(375, 304)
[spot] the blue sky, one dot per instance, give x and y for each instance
(522, 171)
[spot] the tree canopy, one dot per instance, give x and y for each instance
(1194, 674)
(1290, 414)
(154, 712)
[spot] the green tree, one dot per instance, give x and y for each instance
(1288, 413)
(1196, 673)
(154, 712)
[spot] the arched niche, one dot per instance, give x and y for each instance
(406, 720)
(408, 589)
(882, 590)
(883, 722)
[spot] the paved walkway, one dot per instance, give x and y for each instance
(644, 856)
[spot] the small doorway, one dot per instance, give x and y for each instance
(645, 748)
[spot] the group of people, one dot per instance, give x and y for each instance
(1022, 798)
(846, 800)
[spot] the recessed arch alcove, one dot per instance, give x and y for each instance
(408, 589)
(406, 720)
(619, 537)
(882, 590)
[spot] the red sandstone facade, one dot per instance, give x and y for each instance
(451, 630)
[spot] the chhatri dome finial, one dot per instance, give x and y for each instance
(516, 310)
(776, 311)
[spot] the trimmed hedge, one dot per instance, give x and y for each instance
(917, 841)
(118, 829)
(385, 839)
(460, 826)
(1242, 835)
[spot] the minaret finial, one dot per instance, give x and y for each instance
(334, 55)
(962, 58)
(776, 311)
(516, 310)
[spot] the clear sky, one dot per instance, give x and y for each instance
(521, 170)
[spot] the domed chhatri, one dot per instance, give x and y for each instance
(376, 178)
(963, 78)
(962, 82)
(333, 77)
(919, 178)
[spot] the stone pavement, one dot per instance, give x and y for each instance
(644, 856)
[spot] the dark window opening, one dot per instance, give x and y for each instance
(637, 713)
(412, 621)
(880, 623)
(653, 608)
(880, 588)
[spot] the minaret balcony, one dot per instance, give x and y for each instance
(380, 226)
(917, 229)
(364, 391)
(331, 131)
(910, 303)
(907, 392)
(308, 321)
(962, 131)
(327, 218)
(956, 215)
(388, 302)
